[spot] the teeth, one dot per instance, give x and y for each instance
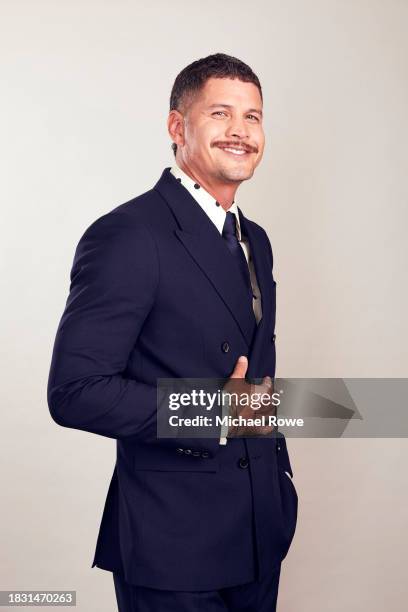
(236, 151)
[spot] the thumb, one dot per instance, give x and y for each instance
(241, 367)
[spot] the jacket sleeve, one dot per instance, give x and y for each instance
(114, 277)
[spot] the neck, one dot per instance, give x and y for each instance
(223, 192)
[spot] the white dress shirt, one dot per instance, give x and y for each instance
(217, 215)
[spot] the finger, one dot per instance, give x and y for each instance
(267, 382)
(241, 367)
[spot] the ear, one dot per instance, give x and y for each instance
(175, 126)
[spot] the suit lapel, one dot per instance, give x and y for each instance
(263, 275)
(204, 244)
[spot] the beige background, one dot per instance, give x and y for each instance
(85, 89)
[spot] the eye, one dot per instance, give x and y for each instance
(219, 113)
(253, 117)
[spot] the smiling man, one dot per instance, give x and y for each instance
(218, 134)
(177, 283)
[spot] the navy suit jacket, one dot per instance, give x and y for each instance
(155, 294)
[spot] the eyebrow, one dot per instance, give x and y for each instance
(250, 110)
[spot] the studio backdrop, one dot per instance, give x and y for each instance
(85, 93)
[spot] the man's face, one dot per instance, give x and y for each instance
(223, 134)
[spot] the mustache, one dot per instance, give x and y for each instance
(240, 145)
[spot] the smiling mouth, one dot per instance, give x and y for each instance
(238, 151)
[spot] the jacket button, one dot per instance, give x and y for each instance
(243, 463)
(180, 451)
(196, 453)
(225, 347)
(279, 447)
(188, 451)
(205, 454)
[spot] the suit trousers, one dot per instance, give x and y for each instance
(250, 597)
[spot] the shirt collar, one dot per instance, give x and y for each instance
(214, 211)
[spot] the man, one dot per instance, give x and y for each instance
(177, 283)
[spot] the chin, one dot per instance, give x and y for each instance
(236, 174)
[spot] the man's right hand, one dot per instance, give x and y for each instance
(247, 395)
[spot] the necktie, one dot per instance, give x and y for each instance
(229, 233)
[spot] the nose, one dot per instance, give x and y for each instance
(236, 128)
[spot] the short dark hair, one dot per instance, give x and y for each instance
(193, 77)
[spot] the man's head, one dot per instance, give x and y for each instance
(215, 119)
